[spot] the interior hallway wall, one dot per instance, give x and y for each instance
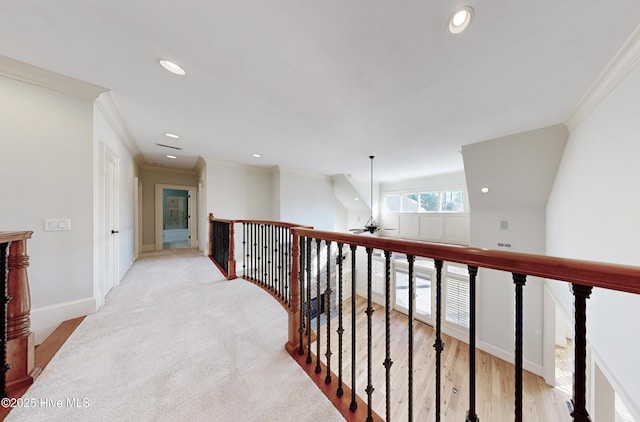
(593, 214)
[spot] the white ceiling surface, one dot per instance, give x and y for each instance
(321, 85)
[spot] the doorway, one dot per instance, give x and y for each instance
(108, 278)
(175, 217)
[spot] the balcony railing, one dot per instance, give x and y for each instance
(313, 268)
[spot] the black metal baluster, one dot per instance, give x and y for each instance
(369, 312)
(439, 344)
(327, 304)
(244, 250)
(255, 252)
(340, 331)
(4, 271)
(318, 368)
(471, 413)
(247, 256)
(265, 256)
(579, 402)
(308, 281)
(387, 332)
(277, 260)
(354, 403)
(412, 295)
(272, 269)
(286, 267)
(288, 260)
(269, 249)
(301, 282)
(519, 280)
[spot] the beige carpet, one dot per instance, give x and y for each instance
(177, 342)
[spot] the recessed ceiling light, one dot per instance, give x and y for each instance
(460, 19)
(357, 198)
(256, 155)
(172, 67)
(172, 135)
(173, 157)
(484, 190)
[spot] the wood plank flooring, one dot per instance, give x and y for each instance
(495, 399)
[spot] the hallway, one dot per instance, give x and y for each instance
(176, 341)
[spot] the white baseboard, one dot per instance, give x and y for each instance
(46, 319)
(532, 367)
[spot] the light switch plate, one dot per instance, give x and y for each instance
(57, 224)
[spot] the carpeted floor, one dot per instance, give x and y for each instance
(177, 342)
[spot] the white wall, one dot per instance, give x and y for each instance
(306, 199)
(103, 132)
(46, 159)
(519, 171)
(593, 213)
(239, 192)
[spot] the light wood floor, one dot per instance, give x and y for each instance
(494, 377)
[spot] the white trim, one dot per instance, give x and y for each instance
(593, 356)
(509, 357)
(46, 319)
(624, 61)
(107, 106)
(25, 72)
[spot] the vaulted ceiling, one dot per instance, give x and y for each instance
(321, 85)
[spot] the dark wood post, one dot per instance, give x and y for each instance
(294, 304)
(20, 339)
(232, 245)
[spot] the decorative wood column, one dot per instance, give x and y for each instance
(295, 326)
(20, 339)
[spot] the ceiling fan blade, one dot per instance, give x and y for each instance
(357, 231)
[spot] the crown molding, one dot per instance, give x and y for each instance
(107, 106)
(25, 72)
(623, 62)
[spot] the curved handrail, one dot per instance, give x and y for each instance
(623, 278)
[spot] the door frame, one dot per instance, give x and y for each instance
(192, 206)
(106, 238)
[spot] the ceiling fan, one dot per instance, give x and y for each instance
(371, 226)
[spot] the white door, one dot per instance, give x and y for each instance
(111, 231)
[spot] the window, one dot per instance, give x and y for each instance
(392, 203)
(452, 201)
(457, 295)
(409, 202)
(416, 202)
(429, 201)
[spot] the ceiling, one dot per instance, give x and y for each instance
(321, 85)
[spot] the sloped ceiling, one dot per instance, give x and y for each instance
(321, 85)
(521, 170)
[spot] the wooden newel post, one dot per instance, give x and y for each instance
(232, 258)
(294, 302)
(20, 339)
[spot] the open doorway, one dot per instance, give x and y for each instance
(175, 217)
